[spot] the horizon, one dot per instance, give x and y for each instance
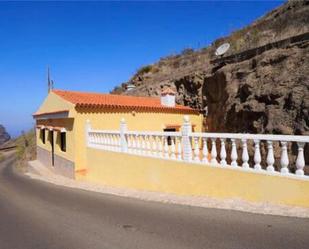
(96, 46)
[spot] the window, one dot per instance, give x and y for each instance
(42, 135)
(169, 139)
(63, 142)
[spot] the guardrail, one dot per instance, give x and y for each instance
(8, 148)
(202, 148)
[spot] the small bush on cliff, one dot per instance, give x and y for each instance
(26, 146)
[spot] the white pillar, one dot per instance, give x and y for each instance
(179, 149)
(300, 161)
(270, 157)
(186, 143)
(166, 154)
(257, 155)
(196, 150)
(123, 140)
(223, 152)
(205, 151)
(234, 153)
(213, 152)
(173, 148)
(284, 160)
(245, 154)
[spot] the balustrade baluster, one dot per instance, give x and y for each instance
(223, 152)
(154, 146)
(148, 145)
(270, 157)
(128, 137)
(143, 145)
(173, 148)
(245, 154)
(138, 145)
(179, 149)
(160, 146)
(166, 154)
(257, 155)
(213, 151)
(284, 160)
(205, 151)
(234, 154)
(300, 161)
(196, 150)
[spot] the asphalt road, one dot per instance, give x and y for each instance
(38, 215)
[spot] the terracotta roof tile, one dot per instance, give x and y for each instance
(93, 100)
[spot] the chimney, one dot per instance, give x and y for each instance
(168, 97)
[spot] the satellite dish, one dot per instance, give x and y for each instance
(222, 49)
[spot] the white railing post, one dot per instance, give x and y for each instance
(213, 152)
(179, 149)
(186, 143)
(284, 160)
(245, 154)
(123, 140)
(223, 152)
(234, 153)
(300, 161)
(173, 148)
(196, 150)
(87, 130)
(205, 151)
(257, 155)
(166, 154)
(270, 157)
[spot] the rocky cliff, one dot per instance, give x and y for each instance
(261, 84)
(4, 136)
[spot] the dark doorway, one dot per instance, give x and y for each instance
(51, 140)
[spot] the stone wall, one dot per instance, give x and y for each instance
(61, 166)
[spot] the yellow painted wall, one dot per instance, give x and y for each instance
(70, 138)
(136, 172)
(54, 103)
(110, 120)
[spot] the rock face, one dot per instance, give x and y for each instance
(260, 86)
(4, 136)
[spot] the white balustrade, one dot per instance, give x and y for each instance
(223, 152)
(245, 154)
(173, 148)
(257, 155)
(196, 150)
(179, 149)
(213, 152)
(185, 146)
(205, 151)
(234, 155)
(300, 161)
(284, 161)
(270, 157)
(166, 154)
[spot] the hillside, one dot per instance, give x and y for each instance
(4, 136)
(261, 84)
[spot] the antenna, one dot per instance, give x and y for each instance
(48, 80)
(50, 83)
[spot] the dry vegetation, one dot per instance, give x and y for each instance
(26, 147)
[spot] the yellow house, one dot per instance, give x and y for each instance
(61, 121)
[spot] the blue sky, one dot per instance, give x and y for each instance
(94, 46)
